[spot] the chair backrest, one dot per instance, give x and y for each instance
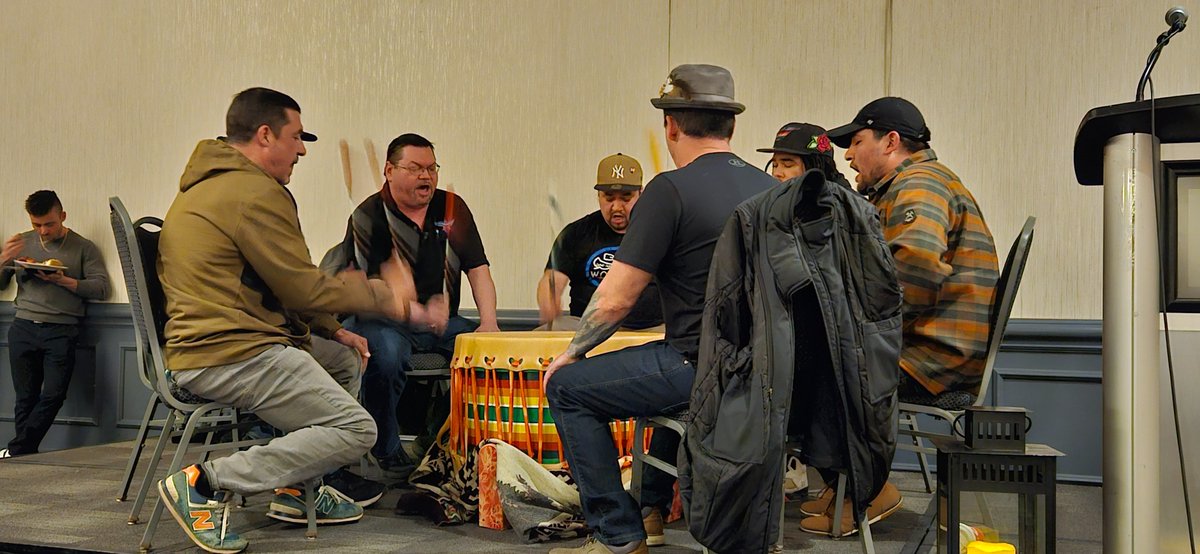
(137, 245)
(1006, 293)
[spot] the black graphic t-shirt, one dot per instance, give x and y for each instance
(584, 251)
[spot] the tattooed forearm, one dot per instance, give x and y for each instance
(595, 326)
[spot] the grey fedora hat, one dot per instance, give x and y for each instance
(698, 87)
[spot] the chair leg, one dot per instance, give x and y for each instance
(164, 437)
(782, 506)
(176, 465)
(864, 531)
(310, 505)
(984, 513)
(926, 473)
(638, 467)
(138, 446)
(835, 526)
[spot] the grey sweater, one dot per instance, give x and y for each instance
(43, 301)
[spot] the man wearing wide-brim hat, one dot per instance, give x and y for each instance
(670, 239)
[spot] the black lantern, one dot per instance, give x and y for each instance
(1001, 499)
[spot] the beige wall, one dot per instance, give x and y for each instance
(523, 98)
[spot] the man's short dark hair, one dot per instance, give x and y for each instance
(407, 139)
(909, 145)
(254, 107)
(42, 202)
(702, 123)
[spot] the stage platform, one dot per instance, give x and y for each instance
(65, 501)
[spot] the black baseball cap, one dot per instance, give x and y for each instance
(304, 136)
(889, 113)
(801, 139)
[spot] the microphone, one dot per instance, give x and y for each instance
(1177, 17)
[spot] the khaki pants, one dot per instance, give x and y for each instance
(311, 397)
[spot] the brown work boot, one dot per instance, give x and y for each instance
(819, 505)
(593, 546)
(883, 505)
(654, 528)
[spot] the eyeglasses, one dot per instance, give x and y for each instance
(417, 170)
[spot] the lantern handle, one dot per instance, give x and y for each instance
(962, 433)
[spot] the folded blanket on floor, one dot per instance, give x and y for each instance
(539, 504)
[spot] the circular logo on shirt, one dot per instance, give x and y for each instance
(737, 163)
(598, 264)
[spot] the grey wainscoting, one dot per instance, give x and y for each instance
(1050, 367)
(106, 400)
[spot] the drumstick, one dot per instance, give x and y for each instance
(373, 159)
(447, 224)
(344, 147)
(655, 155)
(557, 221)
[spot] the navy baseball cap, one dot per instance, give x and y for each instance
(889, 113)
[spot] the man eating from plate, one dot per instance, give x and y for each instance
(49, 305)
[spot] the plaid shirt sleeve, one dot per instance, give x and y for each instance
(915, 226)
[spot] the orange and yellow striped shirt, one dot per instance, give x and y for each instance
(946, 260)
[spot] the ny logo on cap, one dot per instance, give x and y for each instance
(618, 172)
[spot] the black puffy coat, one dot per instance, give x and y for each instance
(802, 289)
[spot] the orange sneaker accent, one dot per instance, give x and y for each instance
(288, 490)
(193, 473)
(202, 522)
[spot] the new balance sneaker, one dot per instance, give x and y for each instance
(331, 506)
(364, 492)
(653, 522)
(204, 520)
(593, 546)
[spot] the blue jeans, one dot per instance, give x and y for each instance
(648, 380)
(392, 345)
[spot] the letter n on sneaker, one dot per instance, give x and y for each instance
(204, 520)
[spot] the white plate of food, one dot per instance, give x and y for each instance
(47, 265)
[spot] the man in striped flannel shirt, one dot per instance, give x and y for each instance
(944, 252)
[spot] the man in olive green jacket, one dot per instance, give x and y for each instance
(242, 297)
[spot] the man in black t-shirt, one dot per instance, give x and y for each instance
(670, 239)
(585, 249)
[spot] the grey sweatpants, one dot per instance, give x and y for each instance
(311, 397)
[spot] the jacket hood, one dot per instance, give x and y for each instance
(213, 157)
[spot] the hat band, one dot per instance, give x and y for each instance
(705, 98)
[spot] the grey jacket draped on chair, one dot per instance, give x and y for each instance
(802, 289)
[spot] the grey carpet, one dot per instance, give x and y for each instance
(67, 499)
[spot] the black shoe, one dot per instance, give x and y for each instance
(363, 492)
(397, 467)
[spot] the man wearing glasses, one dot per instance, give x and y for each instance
(435, 232)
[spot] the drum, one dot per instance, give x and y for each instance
(496, 391)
